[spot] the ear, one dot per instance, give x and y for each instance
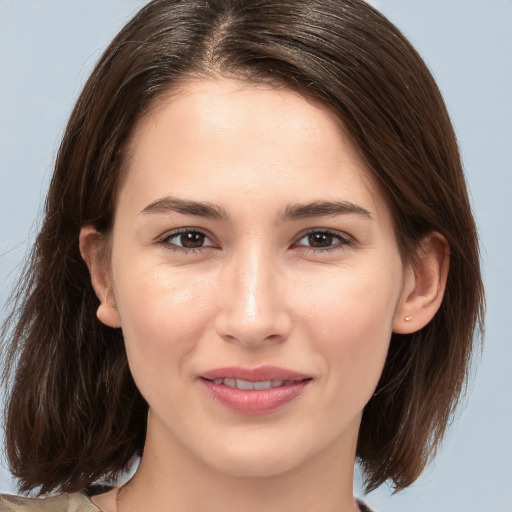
(92, 251)
(424, 285)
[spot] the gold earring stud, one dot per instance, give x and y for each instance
(408, 317)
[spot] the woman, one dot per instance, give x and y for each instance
(263, 205)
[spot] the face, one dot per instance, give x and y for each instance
(251, 249)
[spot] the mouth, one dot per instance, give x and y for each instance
(253, 391)
(248, 385)
(265, 373)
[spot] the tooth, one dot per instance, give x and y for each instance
(247, 385)
(266, 384)
(230, 382)
(244, 384)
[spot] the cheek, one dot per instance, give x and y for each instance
(355, 300)
(163, 315)
(350, 318)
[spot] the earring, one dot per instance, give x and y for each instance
(408, 317)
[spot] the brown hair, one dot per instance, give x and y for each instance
(74, 414)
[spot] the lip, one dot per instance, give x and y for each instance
(257, 401)
(259, 373)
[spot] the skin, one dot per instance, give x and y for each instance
(319, 294)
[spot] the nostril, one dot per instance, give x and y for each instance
(252, 334)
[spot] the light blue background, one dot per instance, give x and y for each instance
(47, 49)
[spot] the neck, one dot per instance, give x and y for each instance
(171, 478)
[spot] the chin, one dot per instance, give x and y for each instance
(261, 466)
(257, 458)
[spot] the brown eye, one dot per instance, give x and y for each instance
(321, 239)
(324, 240)
(191, 239)
(186, 239)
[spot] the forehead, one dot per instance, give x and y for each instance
(215, 136)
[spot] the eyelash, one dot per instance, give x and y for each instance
(343, 241)
(165, 240)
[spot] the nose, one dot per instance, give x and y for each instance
(252, 306)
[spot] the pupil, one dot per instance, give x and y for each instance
(192, 239)
(320, 239)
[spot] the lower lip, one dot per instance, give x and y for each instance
(257, 401)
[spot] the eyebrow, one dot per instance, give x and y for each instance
(323, 208)
(201, 209)
(292, 212)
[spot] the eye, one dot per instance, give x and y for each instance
(186, 239)
(324, 240)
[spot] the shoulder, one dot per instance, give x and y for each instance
(76, 502)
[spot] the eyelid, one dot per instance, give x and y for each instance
(165, 238)
(346, 240)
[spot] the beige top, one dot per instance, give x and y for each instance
(76, 502)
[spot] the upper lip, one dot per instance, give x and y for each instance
(258, 374)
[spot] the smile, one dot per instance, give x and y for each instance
(247, 385)
(254, 391)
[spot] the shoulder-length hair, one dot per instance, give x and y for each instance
(74, 413)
